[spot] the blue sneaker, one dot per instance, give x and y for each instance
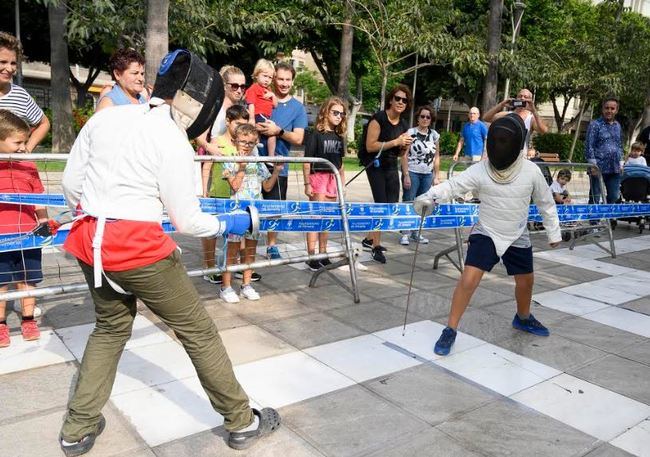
(530, 325)
(272, 252)
(445, 342)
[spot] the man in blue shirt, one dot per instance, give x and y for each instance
(604, 148)
(472, 137)
(288, 123)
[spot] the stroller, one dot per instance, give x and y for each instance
(635, 189)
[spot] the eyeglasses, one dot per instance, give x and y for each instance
(337, 113)
(235, 87)
(425, 116)
(247, 144)
(397, 98)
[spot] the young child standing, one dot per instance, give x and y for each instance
(246, 182)
(260, 98)
(635, 157)
(325, 142)
(558, 187)
(22, 268)
(506, 182)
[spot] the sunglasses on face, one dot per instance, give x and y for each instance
(247, 144)
(425, 116)
(235, 87)
(397, 98)
(337, 113)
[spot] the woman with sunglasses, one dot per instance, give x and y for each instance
(386, 140)
(420, 166)
(326, 142)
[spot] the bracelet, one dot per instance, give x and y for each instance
(280, 133)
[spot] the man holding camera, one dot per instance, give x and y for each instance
(522, 105)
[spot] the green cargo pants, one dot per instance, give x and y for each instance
(165, 289)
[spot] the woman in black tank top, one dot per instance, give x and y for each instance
(387, 133)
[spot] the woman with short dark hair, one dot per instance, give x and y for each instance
(386, 140)
(127, 70)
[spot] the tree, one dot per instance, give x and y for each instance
(62, 124)
(493, 46)
(157, 37)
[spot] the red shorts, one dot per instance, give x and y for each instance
(323, 183)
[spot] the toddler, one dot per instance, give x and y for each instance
(260, 98)
(558, 188)
(635, 157)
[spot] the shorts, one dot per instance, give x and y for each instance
(246, 236)
(21, 266)
(384, 184)
(323, 183)
(482, 254)
(476, 158)
(279, 191)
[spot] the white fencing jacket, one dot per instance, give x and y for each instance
(503, 211)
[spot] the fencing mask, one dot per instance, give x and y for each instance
(505, 141)
(195, 88)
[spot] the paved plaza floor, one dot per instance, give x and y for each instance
(345, 379)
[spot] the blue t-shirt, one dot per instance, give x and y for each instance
(287, 115)
(474, 136)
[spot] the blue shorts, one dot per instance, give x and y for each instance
(482, 254)
(21, 266)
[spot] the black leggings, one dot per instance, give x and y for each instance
(384, 184)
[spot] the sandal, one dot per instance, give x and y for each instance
(269, 422)
(85, 444)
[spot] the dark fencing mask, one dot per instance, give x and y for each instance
(505, 141)
(195, 88)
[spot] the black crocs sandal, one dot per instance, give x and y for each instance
(85, 444)
(269, 422)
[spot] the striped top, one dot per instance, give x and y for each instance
(19, 102)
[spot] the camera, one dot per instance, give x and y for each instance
(518, 103)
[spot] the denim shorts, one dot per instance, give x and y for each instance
(482, 254)
(21, 266)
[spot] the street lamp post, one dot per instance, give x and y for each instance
(515, 20)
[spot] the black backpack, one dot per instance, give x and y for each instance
(364, 157)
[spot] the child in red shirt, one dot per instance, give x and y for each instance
(20, 267)
(260, 98)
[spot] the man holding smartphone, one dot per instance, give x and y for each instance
(524, 106)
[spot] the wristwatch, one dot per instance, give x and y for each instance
(280, 133)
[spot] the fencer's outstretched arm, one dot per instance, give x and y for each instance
(543, 198)
(457, 186)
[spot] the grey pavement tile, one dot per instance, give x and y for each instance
(35, 391)
(295, 280)
(140, 453)
(350, 422)
(554, 351)
(641, 305)
(630, 262)
(250, 343)
(603, 337)
(426, 280)
(68, 310)
(638, 352)
(212, 443)
(568, 272)
(310, 330)
(484, 325)
(617, 374)
(429, 443)
(270, 307)
(426, 304)
(371, 317)
(607, 450)
(329, 297)
(39, 436)
(507, 428)
(380, 287)
(431, 393)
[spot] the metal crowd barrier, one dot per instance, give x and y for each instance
(577, 232)
(341, 257)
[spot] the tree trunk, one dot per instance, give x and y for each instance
(384, 82)
(583, 105)
(354, 110)
(157, 44)
(345, 58)
(494, 46)
(646, 112)
(63, 133)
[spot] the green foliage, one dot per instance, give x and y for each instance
(315, 91)
(559, 143)
(448, 142)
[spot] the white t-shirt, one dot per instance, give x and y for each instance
(557, 188)
(636, 161)
(422, 151)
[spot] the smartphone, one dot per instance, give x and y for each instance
(517, 103)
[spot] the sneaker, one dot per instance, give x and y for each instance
(273, 253)
(213, 278)
(249, 293)
(313, 265)
(445, 342)
(85, 444)
(254, 277)
(378, 255)
(229, 295)
(4, 336)
(404, 240)
(38, 312)
(530, 325)
(325, 262)
(366, 244)
(30, 330)
(381, 248)
(423, 240)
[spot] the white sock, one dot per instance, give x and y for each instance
(253, 426)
